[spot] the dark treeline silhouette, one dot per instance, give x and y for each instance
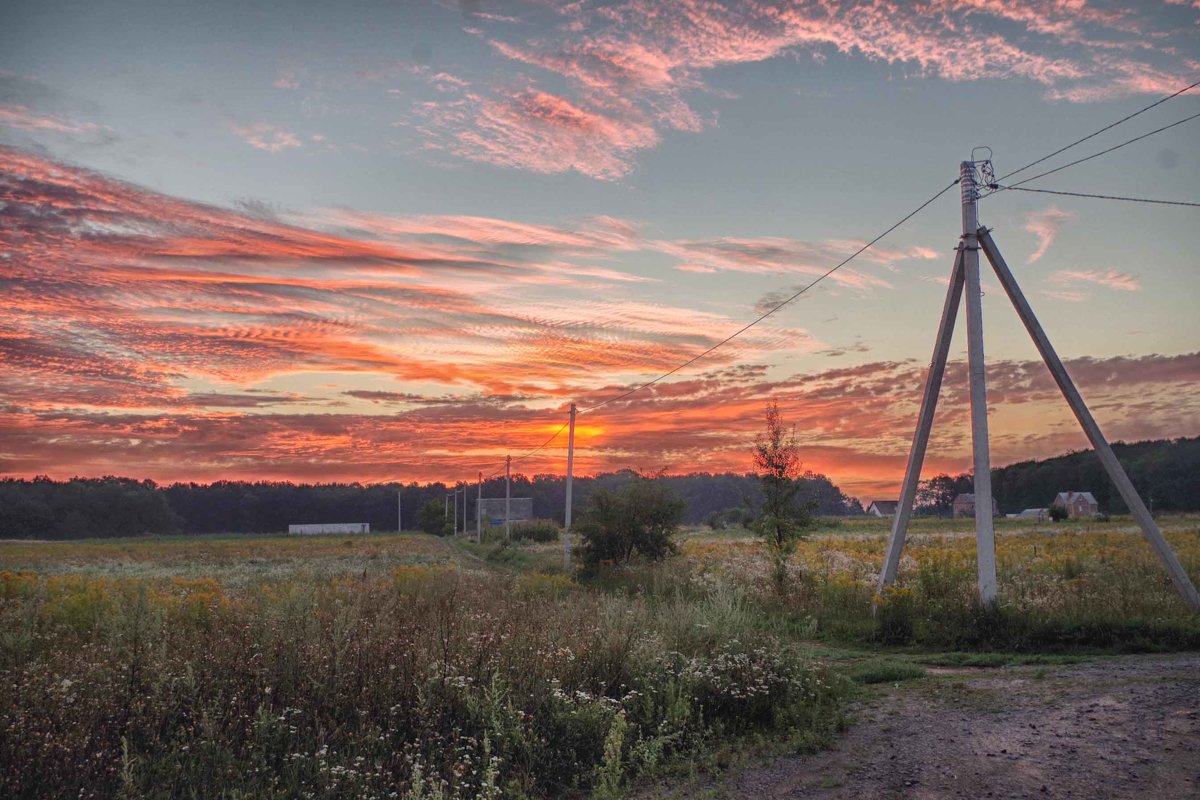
(104, 507)
(1166, 473)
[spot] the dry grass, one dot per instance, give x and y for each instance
(407, 665)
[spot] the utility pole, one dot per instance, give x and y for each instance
(507, 497)
(933, 385)
(567, 511)
(454, 496)
(464, 496)
(478, 513)
(1116, 473)
(399, 510)
(965, 279)
(985, 532)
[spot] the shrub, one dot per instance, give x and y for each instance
(782, 520)
(1058, 513)
(432, 519)
(536, 530)
(727, 518)
(639, 520)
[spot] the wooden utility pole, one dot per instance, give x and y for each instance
(567, 510)
(399, 510)
(507, 497)
(454, 497)
(965, 279)
(478, 511)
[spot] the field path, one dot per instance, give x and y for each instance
(1112, 728)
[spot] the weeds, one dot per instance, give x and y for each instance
(424, 682)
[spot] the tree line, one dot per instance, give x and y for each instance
(1166, 473)
(42, 508)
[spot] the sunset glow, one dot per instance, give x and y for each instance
(399, 249)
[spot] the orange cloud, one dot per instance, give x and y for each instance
(139, 330)
(854, 424)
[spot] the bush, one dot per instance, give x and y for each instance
(728, 518)
(1058, 513)
(536, 530)
(639, 520)
(432, 519)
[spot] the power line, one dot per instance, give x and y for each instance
(1095, 155)
(893, 227)
(544, 444)
(1106, 197)
(745, 327)
(1158, 102)
(774, 308)
(907, 217)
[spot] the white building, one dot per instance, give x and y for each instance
(330, 527)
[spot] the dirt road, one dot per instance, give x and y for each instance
(1125, 727)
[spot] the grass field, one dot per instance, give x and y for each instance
(417, 667)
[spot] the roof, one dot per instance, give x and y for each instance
(1071, 497)
(886, 506)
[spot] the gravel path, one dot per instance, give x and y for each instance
(1125, 727)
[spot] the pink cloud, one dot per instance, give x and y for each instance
(631, 67)
(537, 131)
(1109, 279)
(18, 116)
(265, 136)
(777, 255)
(1045, 225)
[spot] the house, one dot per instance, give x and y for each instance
(1077, 504)
(883, 508)
(964, 506)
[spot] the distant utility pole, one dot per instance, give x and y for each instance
(567, 511)
(507, 497)
(399, 510)
(454, 497)
(478, 512)
(965, 280)
(464, 496)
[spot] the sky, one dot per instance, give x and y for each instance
(395, 240)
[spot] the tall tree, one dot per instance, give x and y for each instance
(782, 518)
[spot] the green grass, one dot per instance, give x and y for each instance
(884, 670)
(992, 660)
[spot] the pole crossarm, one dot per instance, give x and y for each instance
(1108, 459)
